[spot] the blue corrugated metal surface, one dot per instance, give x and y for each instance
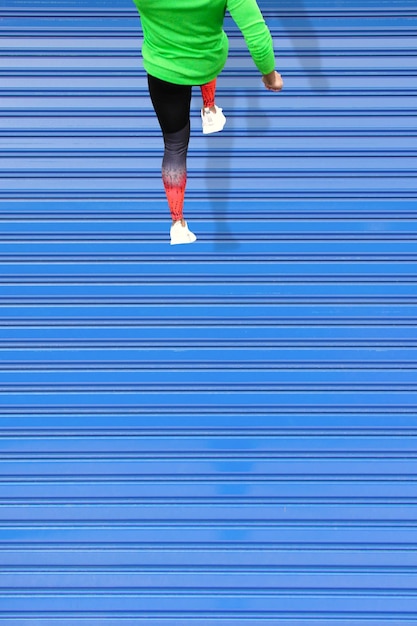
(225, 433)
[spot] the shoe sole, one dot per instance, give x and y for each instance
(177, 243)
(210, 131)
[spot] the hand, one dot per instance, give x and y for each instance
(273, 81)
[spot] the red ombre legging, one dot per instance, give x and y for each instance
(172, 107)
(208, 93)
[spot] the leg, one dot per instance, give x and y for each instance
(208, 93)
(174, 170)
(172, 107)
(212, 116)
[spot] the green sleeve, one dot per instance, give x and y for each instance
(251, 23)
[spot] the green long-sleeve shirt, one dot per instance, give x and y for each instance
(184, 41)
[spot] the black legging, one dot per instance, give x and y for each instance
(171, 103)
(172, 107)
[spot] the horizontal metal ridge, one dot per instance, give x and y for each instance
(258, 344)
(164, 420)
(279, 212)
(283, 322)
(307, 233)
(264, 527)
(102, 12)
(144, 301)
(226, 395)
(131, 27)
(334, 279)
(217, 433)
(82, 481)
(127, 53)
(157, 617)
(266, 389)
(285, 487)
(129, 91)
(137, 104)
(204, 322)
(60, 109)
(320, 483)
(354, 253)
(36, 479)
(345, 32)
(212, 290)
(115, 569)
(357, 45)
(240, 456)
(95, 502)
(252, 194)
(255, 133)
(201, 410)
(209, 366)
(219, 173)
(204, 591)
(244, 72)
(30, 112)
(14, 547)
(408, 527)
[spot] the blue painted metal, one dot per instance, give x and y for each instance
(225, 433)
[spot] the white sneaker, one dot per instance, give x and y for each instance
(181, 234)
(212, 122)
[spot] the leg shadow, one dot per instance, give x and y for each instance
(220, 156)
(249, 119)
(256, 121)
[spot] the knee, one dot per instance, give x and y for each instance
(177, 143)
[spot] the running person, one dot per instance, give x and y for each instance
(184, 44)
